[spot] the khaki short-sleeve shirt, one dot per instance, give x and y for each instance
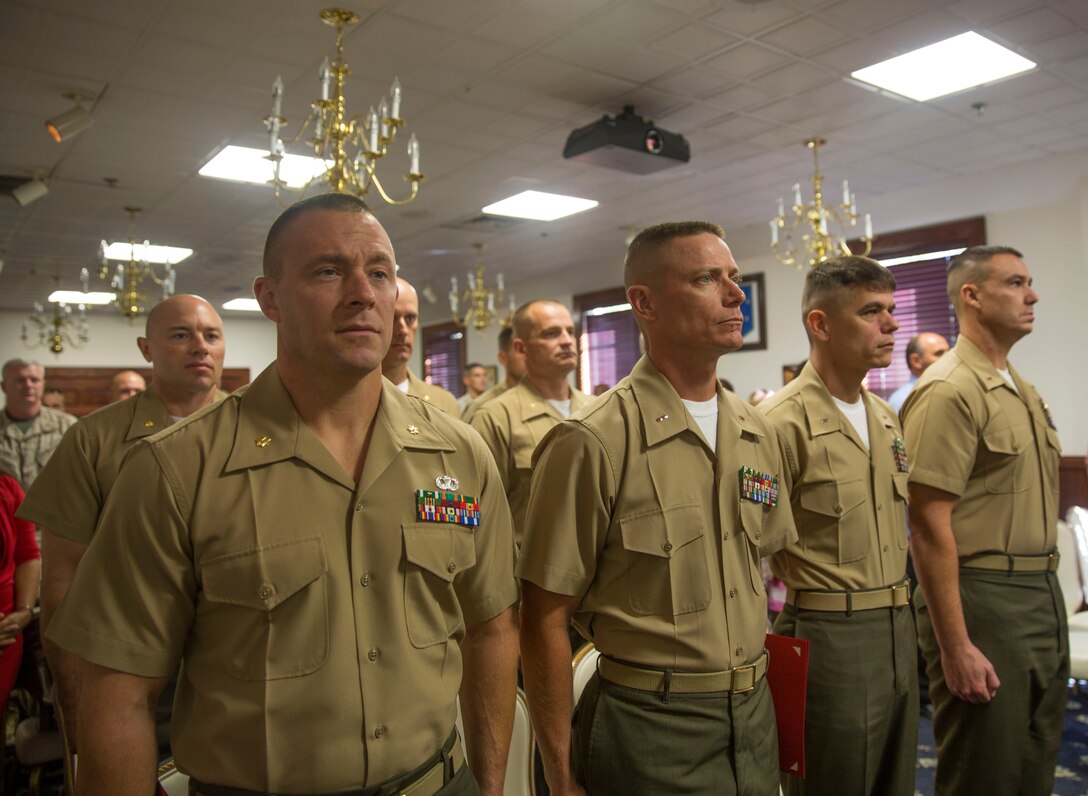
(513, 425)
(434, 395)
(849, 501)
(23, 453)
(971, 434)
(631, 511)
(319, 620)
(68, 495)
(483, 398)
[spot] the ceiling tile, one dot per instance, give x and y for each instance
(741, 96)
(1030, 27)
(746, 19)
(520, 27)
(635, 22)
(805, 37)
(693, 41)
(747, 59)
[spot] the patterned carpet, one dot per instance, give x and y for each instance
(1071, 778)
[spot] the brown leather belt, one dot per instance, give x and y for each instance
(850, 601)
(426, 782)
(736, 681)
(1003, 562)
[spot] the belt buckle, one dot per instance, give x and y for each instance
(905, 587)
(737, 670)
(1053, 559)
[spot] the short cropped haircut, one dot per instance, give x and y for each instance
(827, 281)
(468, 368)
(506, 338)
(19, 363)
(640, 264)
(973, 266)
(914, 347)
(273, 244)
(523, 324)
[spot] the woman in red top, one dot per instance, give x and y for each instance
(20, 574)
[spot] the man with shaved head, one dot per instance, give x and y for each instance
(513, 424)
(648, 514)
(922, 351)
(184, 343)
(331, 561)
(126, 384)
(395, 364)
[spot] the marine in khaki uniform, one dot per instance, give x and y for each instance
(513, 424)
(514, 365)
(983, 516)
(126, 384)
(328, 596)
(183, 341)
(395, 364)
(638, 529)
(846, 470)
(29, 431)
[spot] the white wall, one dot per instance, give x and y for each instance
(251, 342)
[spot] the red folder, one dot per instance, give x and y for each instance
(787, 675)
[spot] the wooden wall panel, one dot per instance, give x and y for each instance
(87, 389)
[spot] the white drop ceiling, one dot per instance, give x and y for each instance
(492, 88)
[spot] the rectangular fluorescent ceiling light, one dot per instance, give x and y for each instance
(946, 67)
(123, 251)
(246, 304)
(917, 258)
(539, 206)
(76, 297)
(243, 164)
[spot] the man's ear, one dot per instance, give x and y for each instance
(265, 289)
(145, 348)
(969, 295)
(817, 322)
(641, 299)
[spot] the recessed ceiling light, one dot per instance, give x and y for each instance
(539, 206)
(246, 304)
(943, 68)
(243, 164)
(77, 297)
(123, 251)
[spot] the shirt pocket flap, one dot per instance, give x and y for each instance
(833, 499)
(265, 577)
(523, 458)
(899, 481)
(1002, 441)
(662, 533)
(442, 549)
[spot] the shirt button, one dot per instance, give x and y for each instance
(379, 731)
(838, 508)
(365, 579)
(740, 651)
(733, 592)
(885, 548)
(451, 567)
(667, 547)
(759, 534)
(725, 536)
(266, 591)
(359, 506)
(373, 654)
(879, 506)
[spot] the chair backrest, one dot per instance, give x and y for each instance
(174, 782)
(1069, 569)
(519, 763)
(584, 664)
(1077, 518)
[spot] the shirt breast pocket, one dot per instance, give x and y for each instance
(1003, 464)
(825, 527)
(267, 608)
(667, 567)
(435, 553)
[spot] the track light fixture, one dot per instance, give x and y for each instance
(30, 191)
(72, 122)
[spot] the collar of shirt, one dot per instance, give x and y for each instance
(824, 417)
(664, 414)
(971, 356)
(532, 404)
(267, 415)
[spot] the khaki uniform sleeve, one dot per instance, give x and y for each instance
(941, 437)
(570, 507)
(132, 600)
(489, 423)
(489, 588)
(66, 498)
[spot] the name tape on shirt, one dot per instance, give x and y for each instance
(434, 506)
(758, 486)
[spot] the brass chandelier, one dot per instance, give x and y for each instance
(479, 302)
(349, 147)
(129, 277)
(816, 231)
(64, 327)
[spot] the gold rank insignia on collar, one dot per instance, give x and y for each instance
(900, 451)
(149, 423)
(413, 430)
(1046, 413)
(662, 419)
(262, 442)
(758, 486)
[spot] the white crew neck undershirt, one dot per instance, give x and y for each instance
(562, 407)
(705, 415)
(403, 386)
(1008, 377)
(857, 416)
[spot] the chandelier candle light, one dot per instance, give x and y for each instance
(62, 328)
(128, 277)
(333, 133)
(480, 299)
(816, 231)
